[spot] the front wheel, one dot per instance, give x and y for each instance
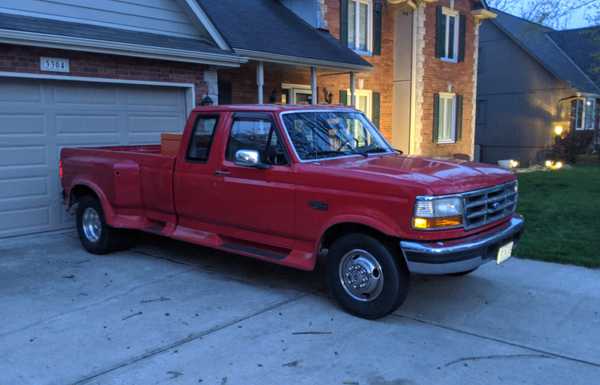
(95, 235)
(365, 277)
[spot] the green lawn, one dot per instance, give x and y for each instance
(562, 213)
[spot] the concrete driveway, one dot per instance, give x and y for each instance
(168, 313)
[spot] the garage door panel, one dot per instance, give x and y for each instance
(24, 172)
(87, 124)
(22, 124)
(155, 97)
(39, 118)
(23, 156)
(19, 92)
(152, 124)
(23, 187)
(81, 94)
(24, 221)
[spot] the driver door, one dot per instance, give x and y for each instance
(259, 200)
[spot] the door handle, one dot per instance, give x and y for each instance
(222, 172)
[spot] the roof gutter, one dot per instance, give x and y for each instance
(301, 61)
(118, 48)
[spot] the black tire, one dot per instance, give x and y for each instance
(396, 278)
(109, 239)
(462, 273)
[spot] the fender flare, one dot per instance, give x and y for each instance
(362, 220)
(109, 212)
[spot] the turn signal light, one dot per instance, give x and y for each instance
(60, 169)
(436, 223)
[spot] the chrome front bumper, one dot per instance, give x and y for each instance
(461, 255)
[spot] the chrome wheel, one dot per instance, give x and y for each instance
(92, 225)
(361, 275)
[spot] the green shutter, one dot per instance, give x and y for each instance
(440, 35)
(459, 117)
(376, 109)
(436, 117)
(377, 26)
(344, 97)
(344, 22)
(462, 37)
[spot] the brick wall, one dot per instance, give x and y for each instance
(27, 60)
(380, 78)
(439, 76)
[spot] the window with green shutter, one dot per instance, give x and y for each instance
(447, 118)
(450, 35)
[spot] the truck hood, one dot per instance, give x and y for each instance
(438, 176)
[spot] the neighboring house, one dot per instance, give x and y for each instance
(88, 73)
(533, 79)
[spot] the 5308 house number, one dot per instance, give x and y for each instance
(53, 64)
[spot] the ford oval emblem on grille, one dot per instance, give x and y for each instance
(495, 205)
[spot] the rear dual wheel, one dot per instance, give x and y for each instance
(365, 276)
(96, 236)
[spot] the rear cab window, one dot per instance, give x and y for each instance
(202, 138)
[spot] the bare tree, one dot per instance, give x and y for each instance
(552, 13)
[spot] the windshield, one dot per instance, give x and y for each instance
(329, 134)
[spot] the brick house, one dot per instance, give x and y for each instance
(421, 84)
(116, 72)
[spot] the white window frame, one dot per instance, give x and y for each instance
(451, 13)
(587, 114)
(355, 45)
(362, 92)
(295, 89)
(442, 119)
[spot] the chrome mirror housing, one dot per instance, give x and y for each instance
(248, 158)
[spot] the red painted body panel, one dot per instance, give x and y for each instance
(266, 209)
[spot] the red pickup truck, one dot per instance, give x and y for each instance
(292, 184)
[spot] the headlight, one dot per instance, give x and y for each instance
(438, 213)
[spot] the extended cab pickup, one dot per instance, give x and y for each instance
(290, 185)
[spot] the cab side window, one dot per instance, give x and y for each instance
(259, 134)
(202, 138)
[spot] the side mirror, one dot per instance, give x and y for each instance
(249, 158)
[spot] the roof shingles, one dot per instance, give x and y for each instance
(267, 26)
(539, 42)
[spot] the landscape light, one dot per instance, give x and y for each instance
(558, 130)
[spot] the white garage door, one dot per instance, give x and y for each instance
(38, 118)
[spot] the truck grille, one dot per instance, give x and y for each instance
(490, 204)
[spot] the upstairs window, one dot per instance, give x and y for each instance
(450, 35)
(360, 25)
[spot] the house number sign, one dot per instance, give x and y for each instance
(54, 64)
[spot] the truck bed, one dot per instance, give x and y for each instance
(137, 180)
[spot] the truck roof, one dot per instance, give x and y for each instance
(269, 107)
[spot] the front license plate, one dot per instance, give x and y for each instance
(505, 252)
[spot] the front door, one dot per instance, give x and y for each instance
(252, 199)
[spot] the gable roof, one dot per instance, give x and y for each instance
(537, 40)
(266, 29)
(583, 46)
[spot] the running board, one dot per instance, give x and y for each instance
(248, 249)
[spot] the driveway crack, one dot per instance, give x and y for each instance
(190, 338)
(537, 351)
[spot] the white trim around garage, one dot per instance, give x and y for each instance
(190, 94)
